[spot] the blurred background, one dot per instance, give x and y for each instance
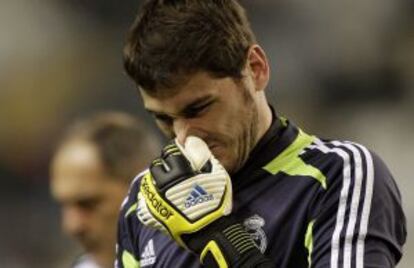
(340, 69)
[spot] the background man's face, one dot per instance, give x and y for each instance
(220, 111)
(89, 198)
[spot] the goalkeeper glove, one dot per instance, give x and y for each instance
(188, 194)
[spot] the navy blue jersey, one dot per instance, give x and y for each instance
(306, 202)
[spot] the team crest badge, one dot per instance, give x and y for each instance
(254, 226)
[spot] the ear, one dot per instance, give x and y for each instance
(257, 65)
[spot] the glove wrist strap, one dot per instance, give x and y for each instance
(228, 246)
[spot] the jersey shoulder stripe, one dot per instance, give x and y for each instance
(356, 191)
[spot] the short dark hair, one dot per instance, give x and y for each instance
(123, 143)
(171, 39)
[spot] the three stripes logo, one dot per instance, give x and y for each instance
(148, 256)
(197, 196)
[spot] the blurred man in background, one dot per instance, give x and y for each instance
(90, 174)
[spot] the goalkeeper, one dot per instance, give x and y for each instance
(239, 185)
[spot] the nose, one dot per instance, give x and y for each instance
(181, 129)
(74, 221)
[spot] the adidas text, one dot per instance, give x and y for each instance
(198, 200)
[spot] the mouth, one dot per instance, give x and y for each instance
(88, 244)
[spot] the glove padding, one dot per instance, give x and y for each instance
(185, 190)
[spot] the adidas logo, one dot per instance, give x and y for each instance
(197, 196)
(148, 256)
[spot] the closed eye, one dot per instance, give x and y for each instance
(196, 110)
(163, 118)
(192, 110)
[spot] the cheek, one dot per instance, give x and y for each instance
(105, 221)
(109, 208)
(221, 129)
(232, 129)
(66, 219)
(111, 203)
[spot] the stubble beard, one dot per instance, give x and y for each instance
(248, 137)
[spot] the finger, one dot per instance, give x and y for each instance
(169, 149)
(171, 168)
(180, 169)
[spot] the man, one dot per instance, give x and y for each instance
(90, 174)
(240, 186)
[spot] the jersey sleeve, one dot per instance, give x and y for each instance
(358, 220)
(128, 225)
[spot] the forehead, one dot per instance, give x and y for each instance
(196, 86)
(77, 172)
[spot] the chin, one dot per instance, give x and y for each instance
(93, 248)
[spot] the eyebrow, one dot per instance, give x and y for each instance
(194, 104)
